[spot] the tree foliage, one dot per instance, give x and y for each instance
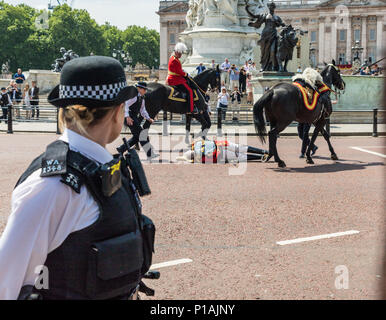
(31, 38)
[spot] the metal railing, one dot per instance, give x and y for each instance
(49, 114)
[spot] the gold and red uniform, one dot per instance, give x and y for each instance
(176, 76)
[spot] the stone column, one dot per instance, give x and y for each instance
(321, 40)
(333, 39)
(327, 41)
(349, 40)
(164, 59)
(380, 45)
(364, 37)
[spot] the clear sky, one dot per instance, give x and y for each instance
(120, 13)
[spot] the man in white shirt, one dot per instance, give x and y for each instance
(133, 108)
(225, 69)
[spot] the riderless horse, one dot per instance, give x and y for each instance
(283, 103)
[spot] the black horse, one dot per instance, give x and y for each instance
(161, 97)
(283, 103)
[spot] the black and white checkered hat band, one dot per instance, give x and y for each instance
(99, 92)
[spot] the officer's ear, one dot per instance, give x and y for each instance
(118, 112)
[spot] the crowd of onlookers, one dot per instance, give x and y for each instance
(21, 96)
(235, 83)
(374, 70)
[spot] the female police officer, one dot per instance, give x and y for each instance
(75, 214)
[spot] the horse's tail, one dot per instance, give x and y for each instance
(258, 117)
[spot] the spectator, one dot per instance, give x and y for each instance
(365, 71)
(225, 67)
(252, 67)
(249, 89)
(19, 78)
(234, 75)
(243, 80)
(5, 101)
(34, 94)
(213, 65)
(15, 95)
(299, 70)
(375, 70)
(200, 68)
(27, 101)
(246, 66)
(236, 95)
(223, 100)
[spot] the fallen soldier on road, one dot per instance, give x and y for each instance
(221, 151)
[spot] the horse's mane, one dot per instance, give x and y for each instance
(202, 74)
(324, 71)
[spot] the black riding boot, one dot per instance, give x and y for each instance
(251, 157)
(256, 150)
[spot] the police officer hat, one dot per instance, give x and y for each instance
(93, 82)
(142, 85)
(3, 88)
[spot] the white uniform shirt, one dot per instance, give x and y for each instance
(143, 111)
(44, 212)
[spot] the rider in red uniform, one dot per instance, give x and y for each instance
(177, 76)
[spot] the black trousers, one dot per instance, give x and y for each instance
(243, 85)
(139, 135)
(5, 112)
(35, 106)
(303, 131)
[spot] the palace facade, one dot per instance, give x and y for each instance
(337, 29)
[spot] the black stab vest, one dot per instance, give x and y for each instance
(104, 260)
(136, 107)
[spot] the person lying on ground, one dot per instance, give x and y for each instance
(221, 151)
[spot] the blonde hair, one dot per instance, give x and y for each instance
(81, 117)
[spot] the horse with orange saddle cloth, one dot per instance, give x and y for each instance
(286, 102)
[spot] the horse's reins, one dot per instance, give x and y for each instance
(202, 91)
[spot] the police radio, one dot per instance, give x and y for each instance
(135, 165)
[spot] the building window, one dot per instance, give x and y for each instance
(172, 38)
(357, 35)
(313, 36)
(372, 35)
(342, 35)
(313, 59)
(371, 54)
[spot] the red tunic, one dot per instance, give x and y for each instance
(175, 73)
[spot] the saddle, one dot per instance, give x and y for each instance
(179, 94)
(310, 96)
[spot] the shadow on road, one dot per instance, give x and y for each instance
(340, 160)
(331, 167)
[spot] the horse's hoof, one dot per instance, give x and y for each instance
(310, 161)
(266, 157)
(334, 156)
(281, 164)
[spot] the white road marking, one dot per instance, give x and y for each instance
(323, 236)
(368, 151)
(370, 147)
(170, 263)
